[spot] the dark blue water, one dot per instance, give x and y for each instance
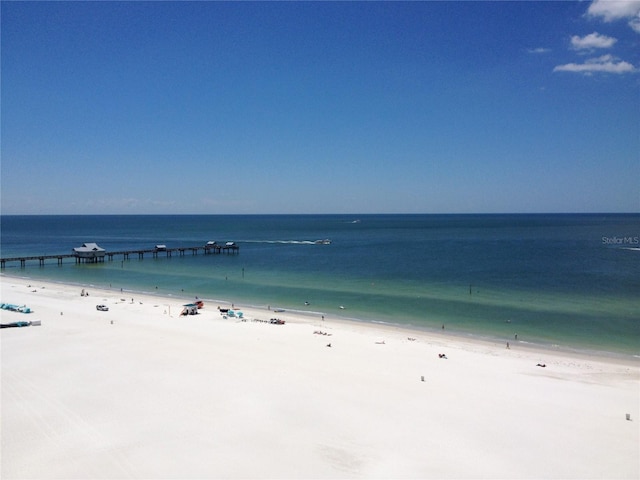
(567, 280)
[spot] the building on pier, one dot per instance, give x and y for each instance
(89, 253)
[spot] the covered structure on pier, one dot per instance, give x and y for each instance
(89, 252)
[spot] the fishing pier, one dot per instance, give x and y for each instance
(95, 254)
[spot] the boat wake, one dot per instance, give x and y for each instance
(290, 242)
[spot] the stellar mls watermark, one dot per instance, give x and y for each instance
(615, 240)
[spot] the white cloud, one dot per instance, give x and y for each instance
(603, 64)
(539, 50)
(593, 40)
(611, 10)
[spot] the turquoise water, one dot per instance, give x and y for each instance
(566, 280)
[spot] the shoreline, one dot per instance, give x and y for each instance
(141, 392)
(310, 316)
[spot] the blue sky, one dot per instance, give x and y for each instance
(330, 107)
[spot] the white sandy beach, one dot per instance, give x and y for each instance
(140, 392)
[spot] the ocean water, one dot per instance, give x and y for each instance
(570, 281)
